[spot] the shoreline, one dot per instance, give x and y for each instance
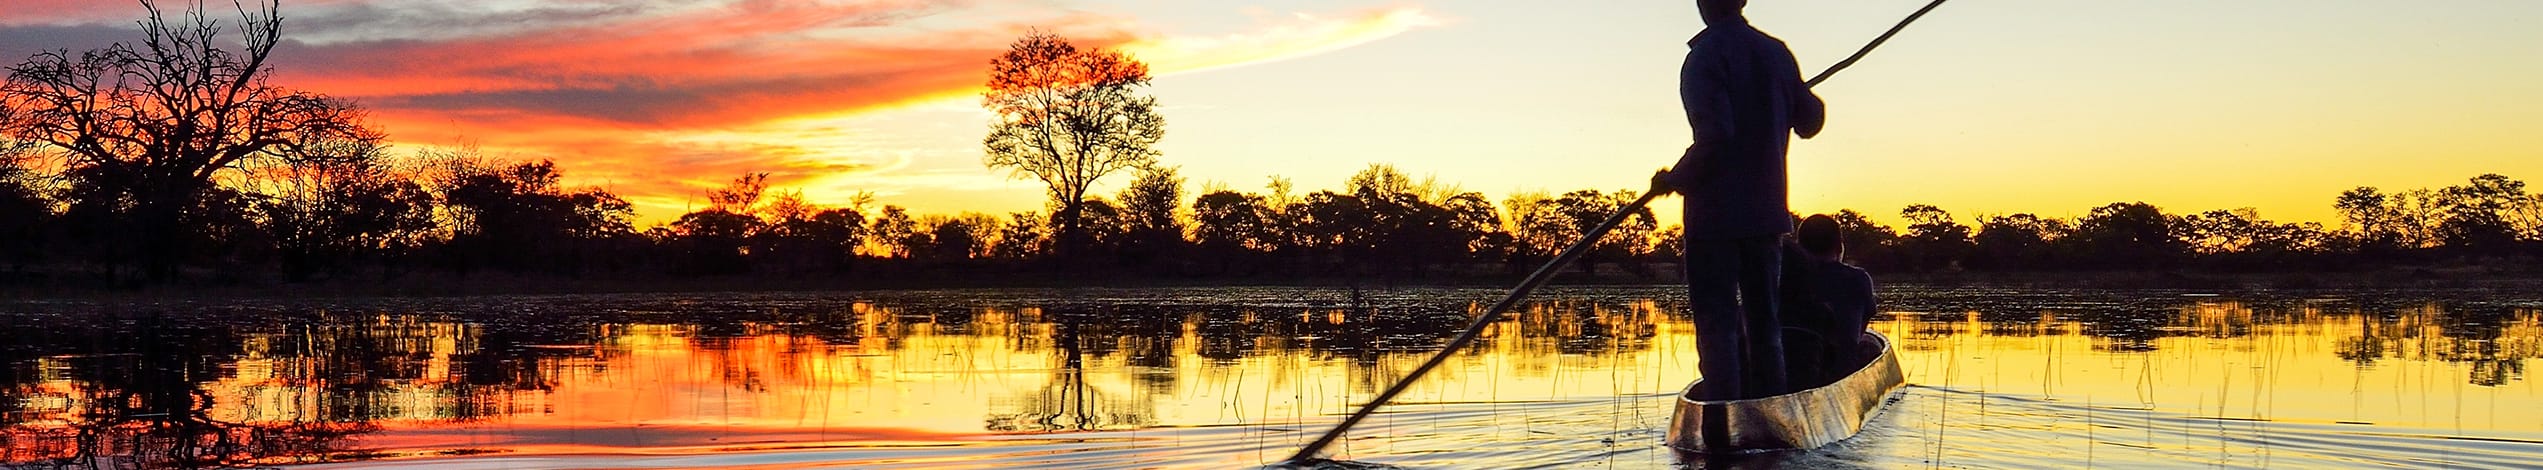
(498, 284)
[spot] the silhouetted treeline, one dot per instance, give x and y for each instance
(2490, 219)
(373, 214)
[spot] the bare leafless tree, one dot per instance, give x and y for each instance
(157, 121)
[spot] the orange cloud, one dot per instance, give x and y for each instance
(700, 68)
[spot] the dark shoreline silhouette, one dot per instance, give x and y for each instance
(1369, 235)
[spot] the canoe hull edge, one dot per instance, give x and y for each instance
(1799, 420)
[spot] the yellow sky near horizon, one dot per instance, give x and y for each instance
(1985, 108)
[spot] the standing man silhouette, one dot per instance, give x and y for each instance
(1744, 97)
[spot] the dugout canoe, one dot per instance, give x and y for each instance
(1799, 420)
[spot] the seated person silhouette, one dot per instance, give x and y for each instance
(1826, 302)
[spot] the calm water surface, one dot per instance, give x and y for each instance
(1241, 377)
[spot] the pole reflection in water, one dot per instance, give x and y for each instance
(1219, 377)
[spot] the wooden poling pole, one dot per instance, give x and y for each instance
(1546, 273)
(1876, 42)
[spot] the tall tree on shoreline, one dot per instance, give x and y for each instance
(2367, 220)
(1153, 205)
(1069, 117)
(150, 125)
(1938, 241)
(2130, 235)
(515, 216)
(2018, 241)
(2482, 213)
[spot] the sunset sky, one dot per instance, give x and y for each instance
(1985, 107)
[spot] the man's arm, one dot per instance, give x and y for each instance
(1708, 110)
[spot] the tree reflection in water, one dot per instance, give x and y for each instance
(1067, 403)
(87, 386)
(2493, 339)
(131, 398)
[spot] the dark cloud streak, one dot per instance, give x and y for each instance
(18, 42)
(430, 21)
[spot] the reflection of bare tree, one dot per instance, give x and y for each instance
(143, 392)
(1067, 403)
(139, 402)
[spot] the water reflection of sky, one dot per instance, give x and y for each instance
(2421, 366)
(667, 374)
